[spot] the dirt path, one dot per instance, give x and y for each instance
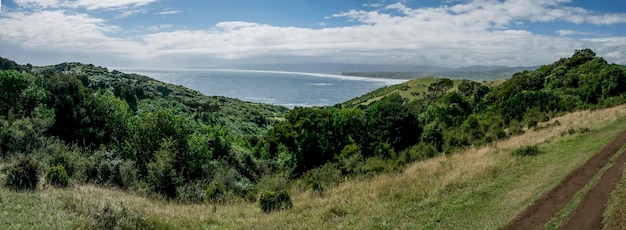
(588, 214)
(542, 210)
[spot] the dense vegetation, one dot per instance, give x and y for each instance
(129, 131)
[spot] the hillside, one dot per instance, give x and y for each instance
(476, 188)
(410, 90)
(162, 147)
(146, 94)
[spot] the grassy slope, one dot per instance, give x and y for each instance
(406, 90)
(479, 188)
(615, 215)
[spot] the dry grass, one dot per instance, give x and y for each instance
(474, 188)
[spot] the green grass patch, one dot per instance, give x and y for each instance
(410, 90)
(531, 150)
(615, 213)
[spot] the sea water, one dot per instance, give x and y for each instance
(288, 89)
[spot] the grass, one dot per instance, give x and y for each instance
(477, 188)
(561, 216)
(615, 212)
(409, 90)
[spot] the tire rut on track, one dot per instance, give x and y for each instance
(541, 211)
(589, 212)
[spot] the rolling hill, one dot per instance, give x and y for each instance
(117, 150)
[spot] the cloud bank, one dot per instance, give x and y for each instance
(478, 32)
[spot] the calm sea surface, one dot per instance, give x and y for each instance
(279, 88)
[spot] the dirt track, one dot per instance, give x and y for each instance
(542, 210)
(588, 214)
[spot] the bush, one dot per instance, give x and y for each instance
(527, 151)
(192, 192)
(162, 176)
(23, 175)
(321, 178)
(57, 176)
(349, 158)
(215, 192)
(421, 151)
(275, 201)
(105, 168)
(111, 217)
(376, 165)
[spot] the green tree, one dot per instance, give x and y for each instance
(147, 132)
(162, 176)
(12, 83)
(108, 119)
(70, 112)
(391, 121)
(439, 88)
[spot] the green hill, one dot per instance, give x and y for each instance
(410, 90)
(146, 94)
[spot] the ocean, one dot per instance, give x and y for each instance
(289, 89)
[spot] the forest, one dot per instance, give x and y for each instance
(74, 123)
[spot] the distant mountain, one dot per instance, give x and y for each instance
(474, 73)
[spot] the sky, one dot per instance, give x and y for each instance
(211, 33)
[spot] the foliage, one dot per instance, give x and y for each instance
(439, 88)
(418, 152)
(215, 193)
(23, 175)
(25, 134)
(113, 217)
(531, 150)
(321, 178)
(129, 131)
(13, 84)
(57, 176)
(162, 177)
(275, 201)
(143, 94)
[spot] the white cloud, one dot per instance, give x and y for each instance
(56, 30)
(168, 12)
(159, 27)
(87, 4)
(109, 4)
(128, 13)
(481, 32)
(37, 3)
(572, 32)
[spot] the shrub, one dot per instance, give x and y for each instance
(376, 165)
(215, 192)
(275, 201)
(192, 192)
(349, 158)
(531, 150)
(111, 217)
(23, 174)
(421, 151)
(321, 178)
(162, 176)
(274, 182)
(57, 176)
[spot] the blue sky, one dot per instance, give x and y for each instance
(168, 33)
